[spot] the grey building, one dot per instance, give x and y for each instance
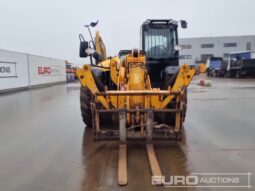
(197, 50)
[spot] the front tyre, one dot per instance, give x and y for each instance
(85, 100)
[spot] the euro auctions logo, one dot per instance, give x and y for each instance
(44, 70)
(205, 180)
(50, 70)
(173, 181)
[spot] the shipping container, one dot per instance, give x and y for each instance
(13, 70)
(43, 70)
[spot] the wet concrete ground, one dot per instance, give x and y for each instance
(43, 145)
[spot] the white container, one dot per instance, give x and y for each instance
(13, 70)
(44, 70)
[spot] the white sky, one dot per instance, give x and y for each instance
(51, 27)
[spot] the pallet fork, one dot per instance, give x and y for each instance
(151, 132)
(122, 164)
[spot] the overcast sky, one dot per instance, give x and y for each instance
(51, 27)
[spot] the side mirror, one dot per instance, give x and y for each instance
(184, 24)
(84, 45)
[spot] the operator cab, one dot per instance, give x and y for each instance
(159, 41)
(159, 38)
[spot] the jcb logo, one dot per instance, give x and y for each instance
(44, 70)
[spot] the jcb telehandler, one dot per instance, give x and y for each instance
(141, 93)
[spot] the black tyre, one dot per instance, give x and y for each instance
(169, 118)
(185, 102)
(85, 99)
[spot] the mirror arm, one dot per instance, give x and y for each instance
(92, 40)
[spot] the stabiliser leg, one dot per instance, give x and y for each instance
(122, 166)
(154, 165)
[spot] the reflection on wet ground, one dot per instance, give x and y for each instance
(43, 145)
(101, 163)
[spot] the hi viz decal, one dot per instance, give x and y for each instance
(8, 69)
(50, 70)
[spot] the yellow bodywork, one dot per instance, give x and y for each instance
(100, 47)
(130, 75)
(202, 68)
(135, 110)
(133, 92)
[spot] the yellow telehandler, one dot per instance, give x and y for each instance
(139, 94)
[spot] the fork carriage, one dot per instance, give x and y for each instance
(138, 123)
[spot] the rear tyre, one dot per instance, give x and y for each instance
(85, 99)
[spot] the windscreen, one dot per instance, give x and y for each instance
(216, 64)
(159, 42)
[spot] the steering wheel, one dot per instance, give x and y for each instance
(162, 47)
(169, 47)
(158, 48)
